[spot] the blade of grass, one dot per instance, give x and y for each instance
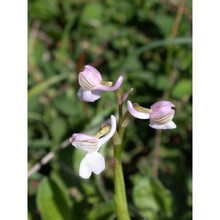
(39, 88)
(164, 43)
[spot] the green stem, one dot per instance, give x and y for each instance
(156, 153)
(120, 199)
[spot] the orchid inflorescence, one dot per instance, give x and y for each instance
(160, 115)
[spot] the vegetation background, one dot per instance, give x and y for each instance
(149, 42)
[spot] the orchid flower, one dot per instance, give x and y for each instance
(160, 114)
(92, 85)
(93, 160)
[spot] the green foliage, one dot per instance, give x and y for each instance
(183, 89)
(151, 198)
(102, 211)
(141, 40)
(53, 200)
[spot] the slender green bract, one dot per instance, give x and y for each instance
(120, 199)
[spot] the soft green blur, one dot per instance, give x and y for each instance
(150, 43)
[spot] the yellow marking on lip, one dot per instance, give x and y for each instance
(142, 109)
(106, 83)
(105, 130)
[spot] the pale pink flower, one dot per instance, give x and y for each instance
(93, 160)
(92, 85)
(160, 114)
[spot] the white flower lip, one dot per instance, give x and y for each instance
(169, 125)
(89, 95)
(93, 161)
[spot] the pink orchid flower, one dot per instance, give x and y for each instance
(92, 85)
(160, 114)
(93, 160)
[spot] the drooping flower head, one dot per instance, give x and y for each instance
(160, 114)
(93, 160)
(92, 85)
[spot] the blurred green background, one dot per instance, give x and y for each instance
(150, 43)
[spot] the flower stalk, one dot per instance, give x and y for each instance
(120, 198)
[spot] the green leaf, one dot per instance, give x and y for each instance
(92, 14)
(39, 88)
(183, 89)
(144, 198)
(162, 82)
(164, 22)
(77, 157)
(163, 43)
(101, 211)
(151, 198)
(52, 199)
(44, 9)
(67, 105)
(39, 143)
(58, 128)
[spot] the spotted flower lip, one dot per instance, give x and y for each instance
(160, 114)
(93, 160)
(92, 85)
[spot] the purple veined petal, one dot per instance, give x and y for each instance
(96, 162)
(105, 138)
(89, 78)
(159, 112)
(113, 87)
(84, 142)
(89, 95)
(80, 137)
(170, 125)
(162, 104)
(84, 169)
(162, 116)
(94, 70)
(135, 113)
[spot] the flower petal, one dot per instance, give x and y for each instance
(162, 116)
(135, 113)
(114, 87)
(80, 137)
(94, 70)
(89, 78)
(170, 125)
(105, 138)
(84, 170)
(162, 104)
(95, 162)
(89, 95)
(85, 142)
